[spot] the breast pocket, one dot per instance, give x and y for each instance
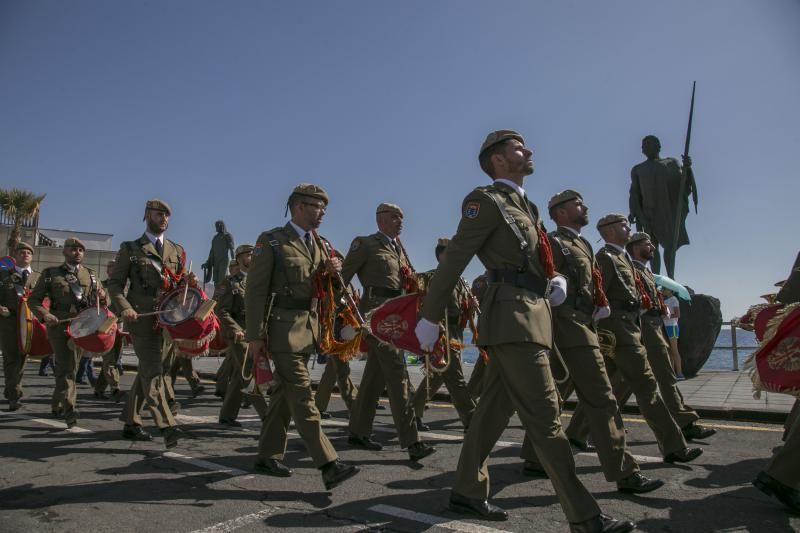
(59, 288)
(297, 270)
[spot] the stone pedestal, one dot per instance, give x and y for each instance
(700, 324)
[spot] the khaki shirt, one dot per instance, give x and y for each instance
(54, 283)
(574, 259)
(138, 267)
(623, 296)
(230, 309)
(509, 313)
(293, 324)
(12, 288)
(377, 264)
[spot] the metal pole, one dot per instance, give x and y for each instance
(734, 348)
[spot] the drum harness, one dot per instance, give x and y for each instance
(81, 299)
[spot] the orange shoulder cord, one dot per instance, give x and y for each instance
(647, 303)
(545, 253)
(600, 299)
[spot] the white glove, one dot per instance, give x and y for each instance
(427, 334)
(600, 313)
(558, 291)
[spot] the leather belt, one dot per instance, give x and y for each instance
(524, 280)
(384, 292)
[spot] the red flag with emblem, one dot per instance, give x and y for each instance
(776, 364)
(393, 322)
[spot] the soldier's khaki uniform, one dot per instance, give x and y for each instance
(139, 263)
(577, 341)
(231, 312)
(475, 384)
(378, 267)
(109, 373)
(69, 293)
(453, 377)
(630, 356)
(292, 331)
(516, 329)
(337, 372)
(185, 365)
(12, 288)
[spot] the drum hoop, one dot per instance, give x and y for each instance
(24, 310)
(179, 294)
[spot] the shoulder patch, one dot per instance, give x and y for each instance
(471, 209)
(257, 249)
(355, 245)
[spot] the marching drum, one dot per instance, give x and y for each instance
(186, 314)
(92, 330)
(32, 334)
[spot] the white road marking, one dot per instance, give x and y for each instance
(236, 523)
(46, 422)
(207, 465)
(433, 520)
(639, 458)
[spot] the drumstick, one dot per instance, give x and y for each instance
(186, 288)
(97, 301)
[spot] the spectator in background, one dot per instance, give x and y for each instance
(673, 331)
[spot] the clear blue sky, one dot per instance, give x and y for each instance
(220, 108)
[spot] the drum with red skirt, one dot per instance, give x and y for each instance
(187, 315)
(32, 334)
(94, 329)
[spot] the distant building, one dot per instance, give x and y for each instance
(48, 244)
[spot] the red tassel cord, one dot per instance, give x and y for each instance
(600, 299)
(545, 253)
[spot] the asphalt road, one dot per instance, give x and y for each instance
(90, 479)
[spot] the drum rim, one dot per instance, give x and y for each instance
(178, 293)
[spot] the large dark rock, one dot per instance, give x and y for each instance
(700, 323)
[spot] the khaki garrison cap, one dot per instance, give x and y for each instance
(499, 136)
(74, 242)
(638, 236)
(563, 197)
(389, 208)
(23, 246)
(613, 218)
(312, 191)
(243, 249)
(158, 205)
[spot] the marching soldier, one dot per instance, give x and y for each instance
(461, 303)
(781, 476)
(230, 309)
(185, 366)
(109, 374)
(337, 372)
(502, 227)
(575, 336)
(641, 251)
(71, 288)
(14, 284)
(384, 270)
(475, 384)
(152, 264)
(627, 297)
(282, 322)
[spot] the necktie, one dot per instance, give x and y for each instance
(394, 246)
(309, 242)
(159, 247)
(25, 274)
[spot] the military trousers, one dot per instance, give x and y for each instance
(518, 378)
(337, 372)
(658, 357)
(588, 377)
(453, 379)
(475, 385)
(13, 359)
(185, 366)
(148, 389)
(630, 364)
(65, 394)
(292, 399)
(223, 375)
(785, 463)
(109, 373)
(385, 368)
(232, 401)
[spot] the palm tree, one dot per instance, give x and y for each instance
(19, 206)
